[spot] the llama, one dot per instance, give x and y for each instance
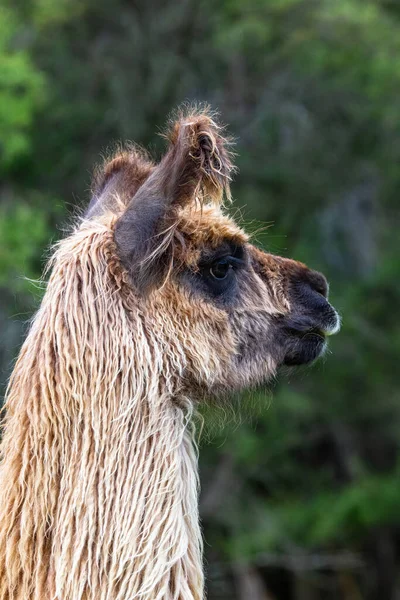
(155, 301)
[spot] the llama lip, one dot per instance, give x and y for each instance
(305, 347)
(305, 340)
(325, 322)
(334, 326)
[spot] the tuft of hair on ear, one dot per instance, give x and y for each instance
(124, 171)
(199, 158)
(196, 168)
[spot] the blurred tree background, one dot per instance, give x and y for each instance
(301, 502)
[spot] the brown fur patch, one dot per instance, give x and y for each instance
(204, 227)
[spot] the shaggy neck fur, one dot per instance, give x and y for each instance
(98, 481)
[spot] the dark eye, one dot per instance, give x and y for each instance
(220, 269)
(218, 272)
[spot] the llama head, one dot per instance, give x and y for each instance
(226, 313)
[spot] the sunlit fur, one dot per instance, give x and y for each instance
(89, 412)
(98, 475)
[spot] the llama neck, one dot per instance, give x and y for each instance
(98, 484)
(136, 533)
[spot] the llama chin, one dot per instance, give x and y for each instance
(156, 295)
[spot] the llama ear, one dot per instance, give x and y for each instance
(195, 168)
(198, 163)
(118, 179)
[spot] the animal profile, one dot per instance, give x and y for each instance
(155, 301)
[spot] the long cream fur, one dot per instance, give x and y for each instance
(98, 480)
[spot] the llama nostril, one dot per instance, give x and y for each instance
(318, 283)
(310, 289)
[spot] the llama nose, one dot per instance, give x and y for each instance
(311, 290)
(317, 282)
(310, 306)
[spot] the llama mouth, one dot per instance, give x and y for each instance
(305, 341)
(304, 348)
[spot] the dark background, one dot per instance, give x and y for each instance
(302, 501)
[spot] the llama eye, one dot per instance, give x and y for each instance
(218, 273)
(220, 269)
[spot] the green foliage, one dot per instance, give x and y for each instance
(21, 92)
(23, 235)
(331, 519)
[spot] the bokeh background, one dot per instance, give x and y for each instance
(302, 501)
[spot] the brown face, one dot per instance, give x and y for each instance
(231, 313)
(258, 311)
